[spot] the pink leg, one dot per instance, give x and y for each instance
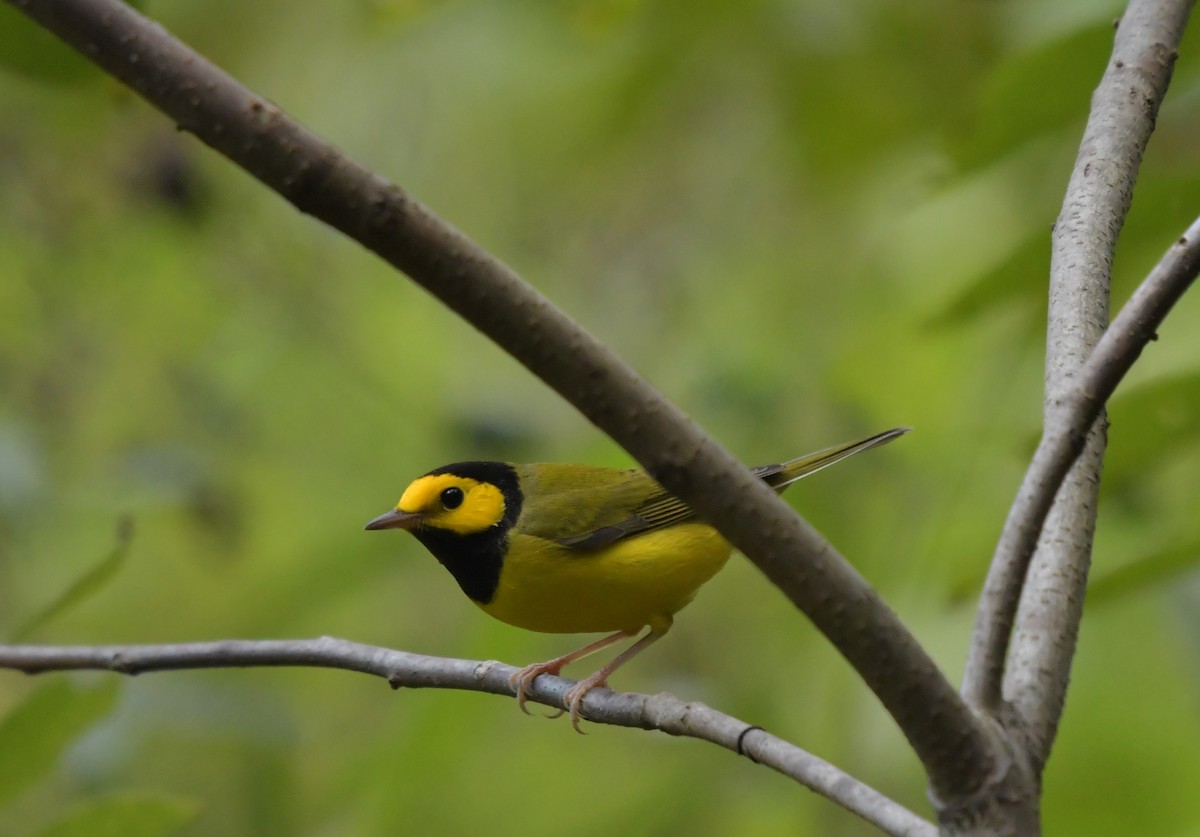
(573, 699)
(525, 677)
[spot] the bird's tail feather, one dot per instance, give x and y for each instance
(799, 468)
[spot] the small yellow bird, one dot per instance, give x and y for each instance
(575, 548)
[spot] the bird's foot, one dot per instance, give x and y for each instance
(573, 699)
(524, 678)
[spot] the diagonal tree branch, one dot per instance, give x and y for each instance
(402, 669)
(1078, 382)
(959, 753)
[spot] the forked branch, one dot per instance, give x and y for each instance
(1079, 379)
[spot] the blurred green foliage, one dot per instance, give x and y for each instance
(804, 221)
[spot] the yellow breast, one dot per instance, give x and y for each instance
(632, 583)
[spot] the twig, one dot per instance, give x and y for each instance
(1122, 118)
(402, 669)
(958, 752)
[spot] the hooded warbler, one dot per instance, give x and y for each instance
(575, 548)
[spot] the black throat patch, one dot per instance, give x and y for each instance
(475, 560)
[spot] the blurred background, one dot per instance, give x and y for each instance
(804, 221)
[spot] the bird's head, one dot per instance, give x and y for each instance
(465, 498)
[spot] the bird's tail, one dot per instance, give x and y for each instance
(781, 476)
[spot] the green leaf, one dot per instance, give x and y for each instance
(1020, 279)
(30, 50)
(33, 51)
(86, 585)
(1150, 424)
(1016, 102)
(126, 815)
(34, 734)
(1137, 576)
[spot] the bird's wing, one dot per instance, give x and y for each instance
(585, 508)
(660, 510)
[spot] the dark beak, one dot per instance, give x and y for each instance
(395, 519)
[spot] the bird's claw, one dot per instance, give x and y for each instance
(573, 699)
(523, 679)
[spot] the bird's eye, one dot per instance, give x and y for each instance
(452, 498)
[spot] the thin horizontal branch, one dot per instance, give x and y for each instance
(1079, 380)
(402, 669)
(958, 752)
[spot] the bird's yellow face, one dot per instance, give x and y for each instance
(463, 513)
(456, 504)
